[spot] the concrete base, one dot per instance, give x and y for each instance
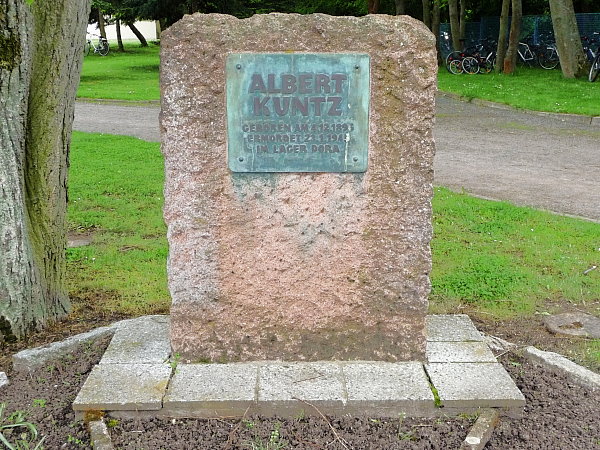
(461, 376)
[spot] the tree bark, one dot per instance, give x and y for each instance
(158, 29)
(40, 61)
(427, 13)
(463, 23)
(501, 50)
(454, 24)
(101, 28)
(139, 35)
(372, 6)
(119, 39)
(510, 60)
(399, 7)
(568, 42)
(435, 27)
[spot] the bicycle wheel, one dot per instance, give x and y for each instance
(548, 59)
(455, 67)
(103, 47)
(86, 48)
(487, 65)
(454, 56)
(470, 65)
(595, 69)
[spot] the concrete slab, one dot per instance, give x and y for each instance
(451, 328)
(481, 432)
(383, 389)
(211, 390)
(282, 388)
(559, 364)
(124, 387)
(478, 385)
(99, 435)
(440, 352)
(34, 358)
(497, 344)
(3, 379)
(461, 367)
(144, 340)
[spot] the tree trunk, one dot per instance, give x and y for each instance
(427, 13)
(454, 25)
(101, 28)
(501, 50)
(463, 23)
(119, 40)
(139, 35)
(435, 27)
(39, 73)
(510, 60)
(399, 7)
(568, 42)
(372, 6)
(158, 29)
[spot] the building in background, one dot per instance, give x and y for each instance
(147, 28)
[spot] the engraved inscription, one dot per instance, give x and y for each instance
(290, 104)
(297, 112)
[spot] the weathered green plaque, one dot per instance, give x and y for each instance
(298, 112)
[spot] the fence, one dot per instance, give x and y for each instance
(534, 29)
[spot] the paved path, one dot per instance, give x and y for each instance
(528, 159)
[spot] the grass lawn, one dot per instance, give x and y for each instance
(529, 88)
(496, 259)
(115, 195)
(132, 75)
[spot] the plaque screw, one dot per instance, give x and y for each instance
(355, 159)
(241, 159)
(357, 67)
(238, 66)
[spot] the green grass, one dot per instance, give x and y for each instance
(132, 75)
(115, 194)
(528, 88)
(495, 257)
(509, 261)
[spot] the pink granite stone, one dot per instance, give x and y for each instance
(298, 266)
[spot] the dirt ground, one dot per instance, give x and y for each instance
(558, 415)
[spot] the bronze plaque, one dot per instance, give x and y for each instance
(298, 112)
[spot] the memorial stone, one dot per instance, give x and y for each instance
(298, 154)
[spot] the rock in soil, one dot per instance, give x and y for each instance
(574, 324)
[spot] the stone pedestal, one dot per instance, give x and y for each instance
(298, 266)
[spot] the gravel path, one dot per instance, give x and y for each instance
(528, 159)
(544, 161)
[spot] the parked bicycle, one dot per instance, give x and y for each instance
(595, 69)
(593, 56)
(102, 48)
(547, 56)
(479, 58)
(526, 55)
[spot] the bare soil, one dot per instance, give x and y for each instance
(558, 414)
(46, 396)
(532, 331)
